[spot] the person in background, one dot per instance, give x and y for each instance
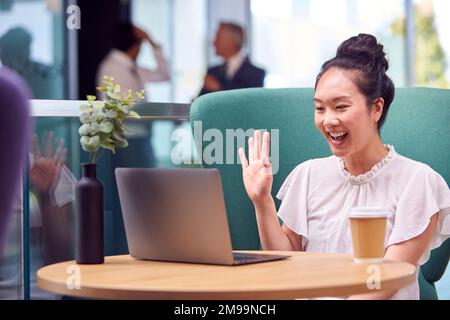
(44, 80)
(120, 63)
(237, 71)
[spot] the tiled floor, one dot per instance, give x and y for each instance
(443, 285)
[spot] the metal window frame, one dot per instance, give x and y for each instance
(410, 36)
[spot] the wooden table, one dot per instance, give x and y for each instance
(302, 275)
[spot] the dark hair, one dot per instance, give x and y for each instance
(123, 36)
(236, 32)
(366, 56)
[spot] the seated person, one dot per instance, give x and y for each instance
(352, 99)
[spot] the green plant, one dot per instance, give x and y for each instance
(430, 62)
(103, 120)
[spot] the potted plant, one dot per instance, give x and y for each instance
(102, 128)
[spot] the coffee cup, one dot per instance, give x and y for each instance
(368, 228)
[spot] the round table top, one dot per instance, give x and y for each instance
(303, 275)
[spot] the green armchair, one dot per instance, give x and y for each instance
(417, 125)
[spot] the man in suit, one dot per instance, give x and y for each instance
(237, 72)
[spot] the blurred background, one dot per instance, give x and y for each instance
(290, 39)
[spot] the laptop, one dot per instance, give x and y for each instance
(178, 215)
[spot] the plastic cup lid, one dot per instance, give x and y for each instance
(368, 212)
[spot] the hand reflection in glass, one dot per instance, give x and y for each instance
(45, 168)
(52, 185)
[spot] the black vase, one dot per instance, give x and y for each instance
(89, 219)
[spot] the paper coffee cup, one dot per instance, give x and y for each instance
(368, 228)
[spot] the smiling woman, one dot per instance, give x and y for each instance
(352, 98)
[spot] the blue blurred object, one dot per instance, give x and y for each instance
(14, 135)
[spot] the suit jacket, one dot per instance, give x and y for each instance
(247, 76)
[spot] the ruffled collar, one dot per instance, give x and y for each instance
(365, 177)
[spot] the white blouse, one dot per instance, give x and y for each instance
(318, 194)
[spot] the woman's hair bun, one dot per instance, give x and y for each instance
(366, 49)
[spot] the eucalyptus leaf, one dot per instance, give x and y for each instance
(89, 129)
(122, 144)
(112, 95)
(86, 118)
(98, 113)
(106, 127)
(94, 141)
(98, 105)
(119, 136)
(85, 108)
(83, 131)
(91, 144)
(84, 140)
(140, 95)
(89, 148)
(134, 114)
(109, 146)
(124, 109)
(103, 121)
(106, 139)
(110, 114)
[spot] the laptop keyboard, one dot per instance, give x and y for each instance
(244, 258)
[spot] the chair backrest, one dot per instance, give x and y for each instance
(417, 125)
(14, 135)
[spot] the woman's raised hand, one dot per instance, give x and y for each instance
(257, 170)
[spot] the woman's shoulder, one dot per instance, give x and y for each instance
(411, 166)
(411, 171)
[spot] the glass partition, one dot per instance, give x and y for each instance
(180, 26)
(32, 44)
(55, 157)
(11, 272)
(293, 38)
